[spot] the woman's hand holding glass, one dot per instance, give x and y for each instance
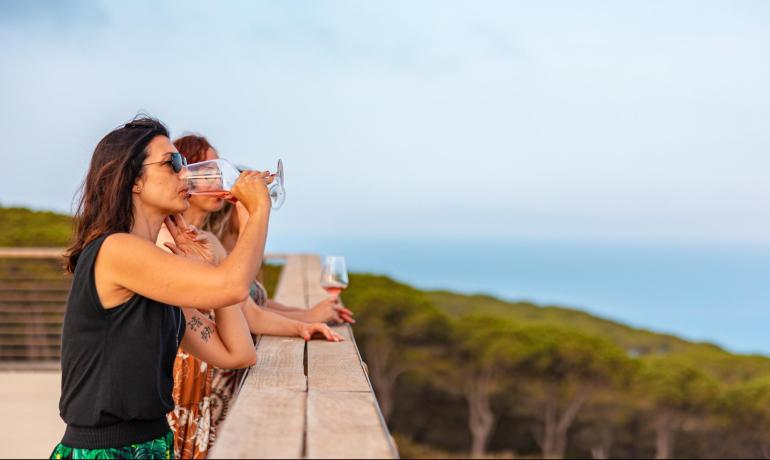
(218, 177)
(251, 190)
(330, 311)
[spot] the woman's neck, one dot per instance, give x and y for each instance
(195, 216)
(146, 223)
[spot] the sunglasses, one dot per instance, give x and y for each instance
(177, 162)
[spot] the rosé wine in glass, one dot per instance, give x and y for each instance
(334, 275)
(217, 178)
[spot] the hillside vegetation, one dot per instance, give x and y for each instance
(470, 374)
(24, 227)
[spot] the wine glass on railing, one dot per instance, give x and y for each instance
(334, 275)
(217, 178)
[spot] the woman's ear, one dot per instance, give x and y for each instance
(137, 187)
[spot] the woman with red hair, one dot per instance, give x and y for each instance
(203, 393)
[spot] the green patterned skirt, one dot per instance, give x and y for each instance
(162, 447)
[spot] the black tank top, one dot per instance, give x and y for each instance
(117, 364)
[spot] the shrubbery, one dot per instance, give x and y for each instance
(24, 227)
(457, 373)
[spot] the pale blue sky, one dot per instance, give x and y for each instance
(586, 120)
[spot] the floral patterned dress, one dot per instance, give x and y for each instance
(191, 419)
(157, 448)
(224, 386)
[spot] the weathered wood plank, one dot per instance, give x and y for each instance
(331, 411)
(345, 425)
(335, 366)
(266, 423)
(268, 417)
(280, 364)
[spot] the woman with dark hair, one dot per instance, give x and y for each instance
(121, 330)
(203, 392)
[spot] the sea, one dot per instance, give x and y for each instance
(716, 292)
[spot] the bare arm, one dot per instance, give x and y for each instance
(226, 343)
(276, 306)
(137, 265)
(326, 311)
(264, 322)
(299, 314)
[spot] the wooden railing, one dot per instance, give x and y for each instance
(33, 296)
(305, 400)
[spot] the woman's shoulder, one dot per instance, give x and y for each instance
(125, 244)
(120, 238)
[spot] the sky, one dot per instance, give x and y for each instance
(594, 120)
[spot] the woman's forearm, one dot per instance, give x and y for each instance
(299, 315)
(233, 331)
(276, 306)
(241, 265)
(269, 323)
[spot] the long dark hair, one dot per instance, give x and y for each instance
(105, 204)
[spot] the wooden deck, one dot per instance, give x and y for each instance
(305, 400)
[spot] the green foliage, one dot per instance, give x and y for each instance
(24, 227)
(567, 354)
(482, 352)
(675, 383)
(410, 449)
(386, 308)
(269, 277)
(748, 403)
(526, 355)
(718, 363)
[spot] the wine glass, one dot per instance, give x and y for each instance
(334, 275)
(276, 188)
(217, 178)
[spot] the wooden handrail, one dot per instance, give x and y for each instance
(305, 400)
(32, 253)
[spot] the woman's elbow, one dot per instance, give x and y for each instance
(247, 360)
(240, 361)
(235, 294)
(252, 359)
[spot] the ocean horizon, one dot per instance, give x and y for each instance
(714, 293)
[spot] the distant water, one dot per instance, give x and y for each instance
(719, 294)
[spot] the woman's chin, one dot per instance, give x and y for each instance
(182, 205)
(217, 204)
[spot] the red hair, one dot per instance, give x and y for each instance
(193, 147)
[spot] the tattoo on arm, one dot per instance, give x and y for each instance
(195, 323)
(206, 333)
